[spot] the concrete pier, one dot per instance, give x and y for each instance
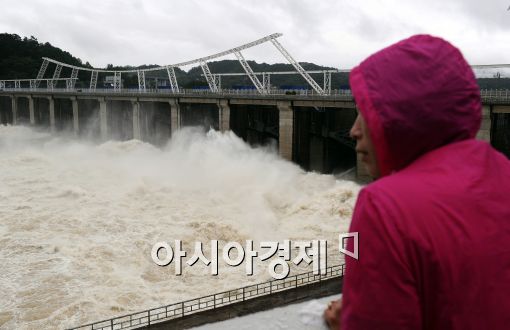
(51, 107)
(224, 115)
(14, 108)
(136, 120)
(31, 110)
(103, 119)
(485, 128)
(175, 115)
(286, 119)
(76, 121)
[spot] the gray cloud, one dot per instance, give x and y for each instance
(488, 17)
(338, 33)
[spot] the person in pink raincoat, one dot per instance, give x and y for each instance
(434, 228)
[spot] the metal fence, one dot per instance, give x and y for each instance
(184, 308)
(495, 95)
(488, 95)
(182, 92)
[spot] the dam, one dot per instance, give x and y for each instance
(309, 129)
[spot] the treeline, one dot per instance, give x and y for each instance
(21, 58)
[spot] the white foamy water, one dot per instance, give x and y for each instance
(78, 220)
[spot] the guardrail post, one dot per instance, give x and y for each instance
(149, 317)
(111, 323)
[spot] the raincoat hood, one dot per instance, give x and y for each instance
(415, 96)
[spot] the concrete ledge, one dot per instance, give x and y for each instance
(60, 96)
(197, 100)
(253, 101)
(120, 98)
(87, 97)
(156, 99)
(325, 104)
(501, 109)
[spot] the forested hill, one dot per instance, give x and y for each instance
(21, 58)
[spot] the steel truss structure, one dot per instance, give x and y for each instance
(41, 73)
(72, 82)
(56, 75)
(117, 81)
(266, 77)
(217, 81)
(266, 81)
(298, 67)
(173, 79)
(327, 82)
(141, 80)
(250, 73)
(213, 79)
(93, 80)
(209, 77)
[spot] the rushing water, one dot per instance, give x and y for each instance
(78, 220)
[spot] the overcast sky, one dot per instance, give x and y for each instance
(335, 33)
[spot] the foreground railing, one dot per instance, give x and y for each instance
(188, 307)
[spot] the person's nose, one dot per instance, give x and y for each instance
(355, 131)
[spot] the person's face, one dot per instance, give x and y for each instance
(364, 146)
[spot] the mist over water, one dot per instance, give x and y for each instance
(78, 219)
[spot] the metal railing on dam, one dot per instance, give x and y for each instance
(182, 92)
(213, 302)
(491, 96)
(495, 95)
